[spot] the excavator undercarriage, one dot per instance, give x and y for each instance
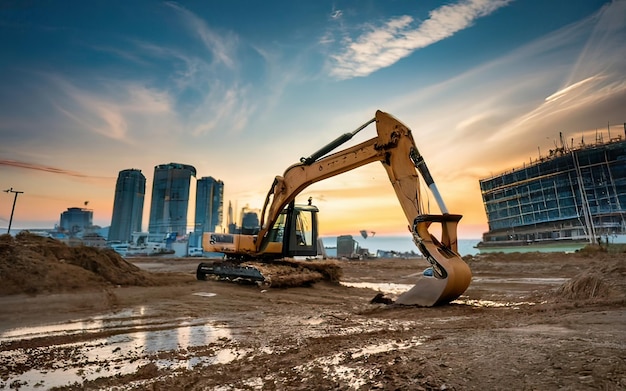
(275, 273)
(266, 254)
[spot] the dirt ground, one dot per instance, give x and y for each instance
(527, 322)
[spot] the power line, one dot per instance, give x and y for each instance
(13, 209)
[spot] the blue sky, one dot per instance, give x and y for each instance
(243, 89)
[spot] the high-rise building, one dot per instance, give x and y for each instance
(127, 217)
(170, 199)
(230, 223)
(209, 204)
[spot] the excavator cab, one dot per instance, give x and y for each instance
(300, 231)
(293, 234)
(295, 230)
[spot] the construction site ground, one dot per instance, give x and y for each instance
(533, 321)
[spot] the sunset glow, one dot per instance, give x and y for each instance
(241, 93)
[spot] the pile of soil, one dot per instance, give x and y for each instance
(292, 273)
(603, 282)
(34, 264)
(594, 274)
(586, 286)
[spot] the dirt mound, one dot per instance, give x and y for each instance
(34, 264)
(290, 273)
(584, 287)
(598, 283)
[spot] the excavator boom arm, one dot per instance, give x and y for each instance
(394, 147)
(299, 176)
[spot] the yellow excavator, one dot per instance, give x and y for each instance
(289, 230)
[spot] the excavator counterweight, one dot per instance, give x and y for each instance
(287, 230)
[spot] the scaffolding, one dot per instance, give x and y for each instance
(573, 194)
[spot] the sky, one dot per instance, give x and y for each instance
(241, 90)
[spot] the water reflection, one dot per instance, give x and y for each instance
(517, 280)
(492, 304)
(396, 289)
(134, 342)
(204, 294)
(340, 367)
(385, 287)
(53, 330)
(90, 325)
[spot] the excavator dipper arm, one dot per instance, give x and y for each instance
(395, 148)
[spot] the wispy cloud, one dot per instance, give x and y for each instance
(336, 14)
(497, 114)
(162, 89)
(593, 84)
(48, 169)
(561, 93)
(113, 109)
(221, 46)
(189, 70)
(205, 87)
(194, 76)
(382, 46)
(222, 108)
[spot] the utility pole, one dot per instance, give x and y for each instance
(14, 201)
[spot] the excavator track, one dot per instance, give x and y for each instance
(276, 273)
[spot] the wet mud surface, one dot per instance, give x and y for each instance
(527, 321)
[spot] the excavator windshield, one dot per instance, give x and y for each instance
(297, 227)
(302, 239)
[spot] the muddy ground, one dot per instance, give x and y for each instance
(527, 322)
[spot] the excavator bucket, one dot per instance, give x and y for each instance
(451, 275)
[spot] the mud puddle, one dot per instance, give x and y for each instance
(395, 290)
(384, 287)
(529, 280)
(131, 342)
(348, 367)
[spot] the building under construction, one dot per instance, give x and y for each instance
(574, 196)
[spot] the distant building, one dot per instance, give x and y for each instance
(573, 197)
(75, 221)
(127, 217)
(209, 205)
(170, 198)
(347, 247)
(230, 223)
(93, 240)
(250, 223)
